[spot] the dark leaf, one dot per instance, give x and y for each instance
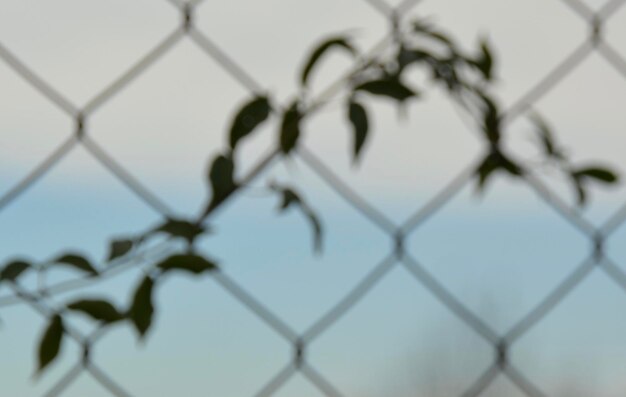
(97, 309)
(11, 271)
(290, 128)
(191, 263)
(358, 118)
(391, 88)
(484, 62)
(221, 177)
(599, 174)
(547, 138)
(440, 37)
(425, 29)
(180, 228)
(142, 309)
(50, 343)
(317, 229)
(77, 262)
(335, 42)
(291, 198)
(408, 56)
(119, 248)
(248, 118)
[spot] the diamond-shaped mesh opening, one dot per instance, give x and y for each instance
(169, 113)
(81, 214)
(234, 354)
(499, 265)
(582, 329)
(286, 274)
(406, 158)
(79, 48)
(357, 356)
(247, 32)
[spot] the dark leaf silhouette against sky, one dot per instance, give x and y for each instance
(97, 309)
(335, 42)
(50, 344)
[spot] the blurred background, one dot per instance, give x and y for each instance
(156, 101)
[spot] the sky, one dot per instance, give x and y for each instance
(499, 253)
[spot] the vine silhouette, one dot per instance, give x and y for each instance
(466, 76)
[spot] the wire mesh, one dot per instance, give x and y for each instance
(301, 342)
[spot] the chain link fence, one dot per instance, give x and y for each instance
(302, 342)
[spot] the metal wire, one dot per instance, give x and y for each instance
(302, 342)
